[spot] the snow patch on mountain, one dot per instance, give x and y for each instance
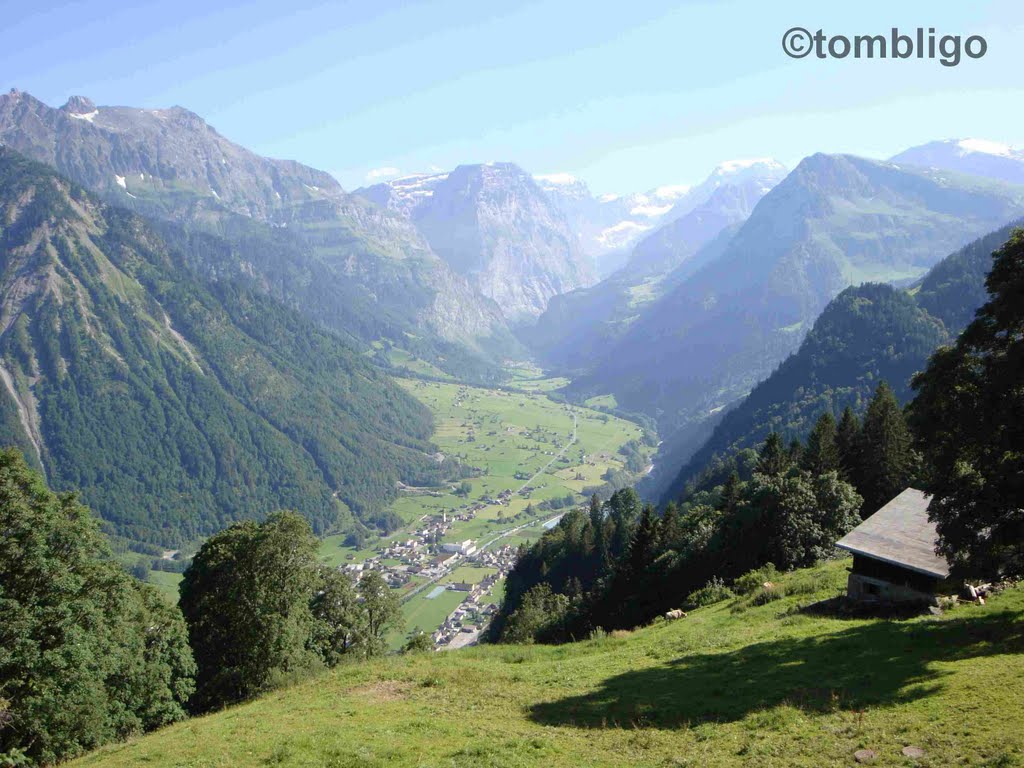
(987, 147)
(733, 166)
(650, 211)
(557, 178)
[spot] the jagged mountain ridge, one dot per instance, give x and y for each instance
(170, 164)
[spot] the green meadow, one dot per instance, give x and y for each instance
(732, 684)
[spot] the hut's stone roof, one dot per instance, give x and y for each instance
(900, 534)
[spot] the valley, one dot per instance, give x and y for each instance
(528, 459)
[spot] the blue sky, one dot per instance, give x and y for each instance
(626, 95)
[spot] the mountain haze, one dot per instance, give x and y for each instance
(867, 334)
(578, 326)
(834, 221)
(493, 225)
(976, 157)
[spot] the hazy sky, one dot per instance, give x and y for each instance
(626, 95)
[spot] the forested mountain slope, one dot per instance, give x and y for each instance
(332, 255)
(175, 406)
(835, 221)
(867, 334)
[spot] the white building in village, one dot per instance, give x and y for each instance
(465, 548)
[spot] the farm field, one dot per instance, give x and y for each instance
(471, 574)
(166, 582)
(425, 612)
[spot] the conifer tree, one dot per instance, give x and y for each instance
(644, 543)
(847, 442)
(732, 493)
(599, 530)
(887, 460)
(773, 458)
(670, 529)
(822, 452)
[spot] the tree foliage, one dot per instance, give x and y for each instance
(87, 654)
(968, 418)
(246, 598)
(619, 565)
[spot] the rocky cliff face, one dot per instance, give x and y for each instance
(493, 225)
(149, 153)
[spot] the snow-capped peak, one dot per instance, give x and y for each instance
(671, 191)
(986, 147)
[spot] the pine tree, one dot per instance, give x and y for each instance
(822, 452)
(732, 493)
(847, 442)
(773, 458)
(670, 529)
(599, 527)
(624, 508)
(887, 460)
(645, 541)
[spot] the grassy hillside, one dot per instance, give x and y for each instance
(732, 684)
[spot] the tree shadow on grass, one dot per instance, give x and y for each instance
(880, 663)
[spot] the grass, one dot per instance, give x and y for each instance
(729, 685)
(166, 582)
(470, 574)
(427, 614)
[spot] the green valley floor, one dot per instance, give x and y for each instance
(731, 684)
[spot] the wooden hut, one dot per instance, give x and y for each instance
(894, 558)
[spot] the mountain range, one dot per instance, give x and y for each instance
(353, 267)
(578, 326)
(715, 285)
(975, 157)
(835, 221)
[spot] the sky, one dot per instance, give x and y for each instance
(626, 96)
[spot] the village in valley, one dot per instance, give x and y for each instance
(527, 460)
